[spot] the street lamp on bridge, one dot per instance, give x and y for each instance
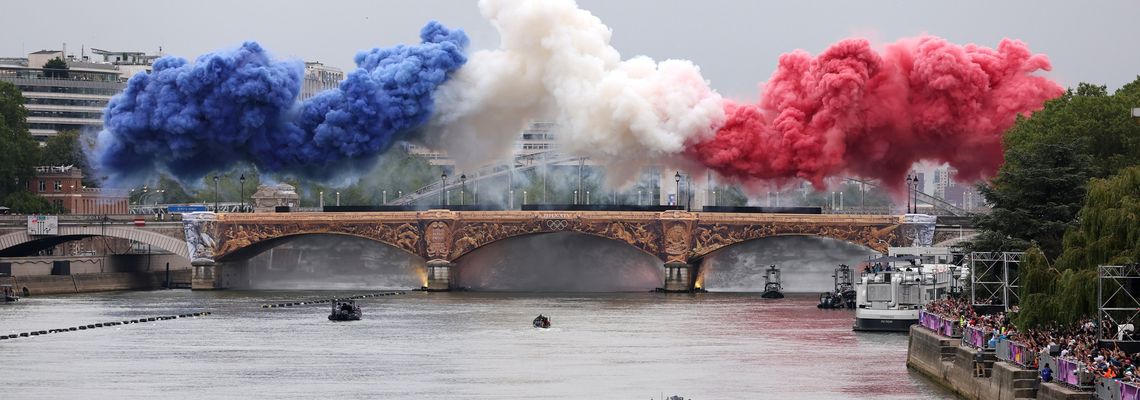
(215, 193)
(338, 199)
(462, 187)
(443, 189)
(914, 181)
(242, 180)
(677, 178)
(912, 193)
(321, 205)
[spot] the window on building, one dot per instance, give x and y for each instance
(58, 186)
(42, 186)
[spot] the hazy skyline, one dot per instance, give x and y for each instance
(736, 44)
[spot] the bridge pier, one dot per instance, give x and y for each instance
(679, 277)
(439, 275)
(210, 275)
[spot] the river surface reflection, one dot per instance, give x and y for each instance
(452, 346)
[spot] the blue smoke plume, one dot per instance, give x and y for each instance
(239, 106)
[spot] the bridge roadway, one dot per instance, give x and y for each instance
(219, 244)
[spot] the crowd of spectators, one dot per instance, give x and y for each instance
(1076, 342)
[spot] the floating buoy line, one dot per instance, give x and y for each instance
(189, 315)
(103, 325)
(327, 301)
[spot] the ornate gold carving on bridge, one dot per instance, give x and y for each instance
(235, 236)
(472, 235)
(711, 237)
(676, 242)
(438, 236)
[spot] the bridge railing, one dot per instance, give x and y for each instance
(111, 219)
(151, 209)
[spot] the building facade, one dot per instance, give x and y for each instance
(268, 197)
(63, 187)
(319, 78)
(71, 99)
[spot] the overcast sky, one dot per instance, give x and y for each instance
(736, 42)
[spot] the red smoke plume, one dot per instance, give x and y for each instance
(853, 111)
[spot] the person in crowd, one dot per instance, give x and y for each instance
(979, 364)
(1046, 374)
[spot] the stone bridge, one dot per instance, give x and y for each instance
(15, 241)
(220, 243)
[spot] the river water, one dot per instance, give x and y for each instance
(462, 345)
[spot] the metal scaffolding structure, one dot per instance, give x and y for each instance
(994, 278)
(1116, 300)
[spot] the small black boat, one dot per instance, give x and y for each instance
(541, 321)
(7, 294)
(772, 287)
(345, 310)
(844, 294)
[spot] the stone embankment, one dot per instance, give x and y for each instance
(36, 285)
(950, 363)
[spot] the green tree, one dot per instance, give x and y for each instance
(24, 202)
(56, 68)
(18, 151)
(1108, 233)
(1050, 157)
(67, 148)
(1109, 228)
(1038, 288)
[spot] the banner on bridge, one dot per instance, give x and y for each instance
(185, 209)
(43, 225)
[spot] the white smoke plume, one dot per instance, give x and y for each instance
(555, 63)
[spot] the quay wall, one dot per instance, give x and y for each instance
(951, 364)
(36, 285)
(49, 265)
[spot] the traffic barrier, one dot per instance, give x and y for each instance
(1067, 372)
(1129, 391)
(975, 337)
(1107, 389)
(937, 323)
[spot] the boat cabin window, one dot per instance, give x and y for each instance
(879, 292)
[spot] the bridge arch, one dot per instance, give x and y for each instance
(241, 240)
(21, 244)
(250, 250)
(807, 263)
(879, 236)
(561, 261)
(462, 250)
(698, 256)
